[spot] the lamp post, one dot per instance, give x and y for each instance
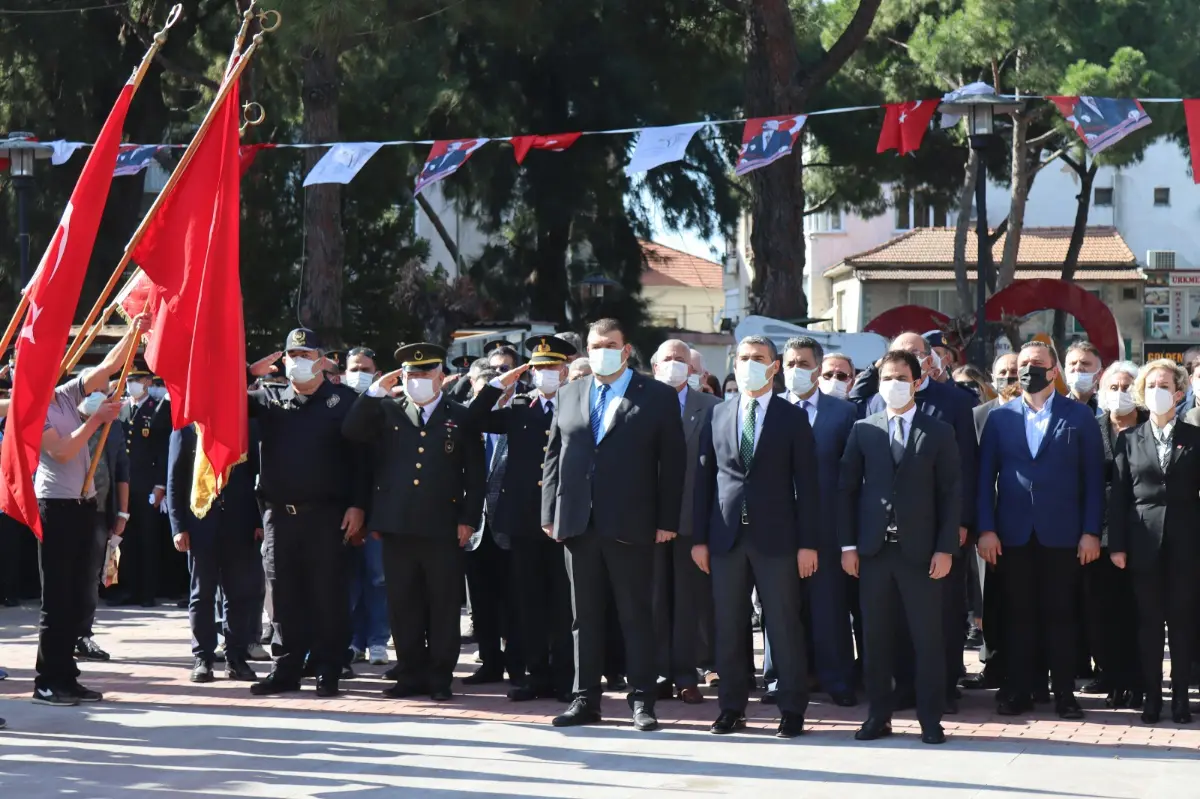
(594, 285)
(22, 150)
(980, 110)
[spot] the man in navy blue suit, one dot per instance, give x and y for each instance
(832, 652)
(756, 495)
(1041, 505)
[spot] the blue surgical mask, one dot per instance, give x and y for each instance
(92, 402)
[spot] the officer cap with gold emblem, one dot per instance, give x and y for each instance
(302, 339)
(420, 357)
(140, 370)
(548, 350)
(462, 362)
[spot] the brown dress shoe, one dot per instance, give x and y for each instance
(691, 696)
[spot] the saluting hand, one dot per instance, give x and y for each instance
(385, 383)
(266, 366)
(509, 378)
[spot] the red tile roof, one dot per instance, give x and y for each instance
(1044, 247)
(942, 275)
(666, 266)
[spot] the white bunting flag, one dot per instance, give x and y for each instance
(658, 146)
(63, 150)
(342, 162)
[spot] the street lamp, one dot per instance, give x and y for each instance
(22, 150)
(593, 286)
(980, 107)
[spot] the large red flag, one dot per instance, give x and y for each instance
(904, 126)
(190, 252)
(1191, 111)
(53, 294)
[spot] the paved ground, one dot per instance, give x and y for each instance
(160, 735)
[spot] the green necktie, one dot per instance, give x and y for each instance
(748, 424)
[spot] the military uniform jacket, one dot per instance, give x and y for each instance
(527, 425)
(147, 437)
(428, 479)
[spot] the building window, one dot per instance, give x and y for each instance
(1129, 293)
(733, 303)
(839, 302)
(914, 211)
(1162, 197)
(1104, 196)
(943, 300)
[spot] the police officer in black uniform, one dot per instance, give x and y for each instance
(538, 568)
(312, 489)
(429, 485)
(147, 423)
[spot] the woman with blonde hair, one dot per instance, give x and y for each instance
(1153, 531)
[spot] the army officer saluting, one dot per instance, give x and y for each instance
(429, 485)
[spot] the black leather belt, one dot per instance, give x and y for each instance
(298, 508)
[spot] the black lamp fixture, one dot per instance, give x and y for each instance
(23, 151)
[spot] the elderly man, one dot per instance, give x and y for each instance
(579, 369)
(1081, 369)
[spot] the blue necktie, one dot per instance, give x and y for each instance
(598, 413)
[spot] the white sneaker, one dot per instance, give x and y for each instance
(256, 652)
(379, 656)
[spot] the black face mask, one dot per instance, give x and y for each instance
(1033, 378)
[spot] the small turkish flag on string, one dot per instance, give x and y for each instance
(904, 126)
(557, 143)
(1191, 110)
(248, 152)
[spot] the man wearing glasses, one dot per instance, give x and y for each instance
(837, 375)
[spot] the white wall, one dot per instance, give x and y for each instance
(463, 230)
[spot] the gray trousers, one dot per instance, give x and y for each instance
(678, 586)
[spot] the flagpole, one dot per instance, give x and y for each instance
(73, 358)
(160, 39)
(119, 391)
(230, 81)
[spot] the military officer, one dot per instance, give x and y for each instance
(430, 481)
(538, 567)
(313, 488)
(147, 423)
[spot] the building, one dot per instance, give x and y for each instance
(683, 294)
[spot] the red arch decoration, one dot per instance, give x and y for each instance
(1029, 296)
(902, 318)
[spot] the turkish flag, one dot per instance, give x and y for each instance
(904, 126)
(53, 294)
(1191, 110)
(190, 252)
(249, 152)
(139, 294)
(557, 142)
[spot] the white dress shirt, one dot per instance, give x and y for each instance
(761, 413)
(809, 406)
(1162, 439)
(892, 416)
(425, 411)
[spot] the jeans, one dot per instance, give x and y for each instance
(368, 597)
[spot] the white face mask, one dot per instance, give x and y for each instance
(606, 362)
(299, 370)
(751, 376)
(158, 393)
(834, 388)
(359, 381)
(92, 402)
(694, 382)
(1120, 402)
(730, 396)
(896, 393)
(1159, 400)
(799, 381)
(419, 389)
(135, 390)
(1081, 382)
(673, 373)
(546, 381)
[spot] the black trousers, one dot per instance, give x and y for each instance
(65, 563)
(141, 548)
(1110, 615)
(1040, 587)
(954, 621)
(424, 578)
(595, 565)
(304, 557)
(1166, 592)
(493, 607)
(225, 556)
(12, 533)
(893, 589)
(98, 552)
(677, 589)
(539, 576)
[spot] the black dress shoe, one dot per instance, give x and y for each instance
(791, 725)
(933, 735)
(730, 721)
(274, 684)
(974, 639)
(402, 691)
(149, 603)
(873, 729)
(202, 671)
(1067, 708)
(236, 668)
(1181, 712)
(973, 682)
(524, 693)
(12, 602)
(770, 698)
(86, 649)
(1012, 706)
(347, 673)
(844, 698)
(393, 673)
(441, 694)
(1117, 699)
(616, 682)
(579, 713)
(1152, 711)
(310, 668)
(327, 687)
(1136, 699)
(644, 719)
(1096, 686)
(484, 676)
(1041, 696)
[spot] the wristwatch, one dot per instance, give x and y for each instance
(122, 514)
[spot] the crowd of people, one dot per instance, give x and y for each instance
(622, 525)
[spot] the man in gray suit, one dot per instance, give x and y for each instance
(680, 588)
(900, 489)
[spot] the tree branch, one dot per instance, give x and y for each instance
(843, 48)
(1000, 230)
(1079, 170)
(819, 207)
(147, 39)
(442, 232)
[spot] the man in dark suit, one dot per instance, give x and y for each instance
(826, 591)
(898, 529)
(1041, 506)
(679, 586)
(757, 491)
(612, 489)
(430, 479)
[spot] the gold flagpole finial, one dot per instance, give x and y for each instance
(250, 118)
(269, 14)
(160, 38)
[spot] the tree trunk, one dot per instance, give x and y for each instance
(324, 240)
(1078, 232)
(1020, 196)
(966, 201)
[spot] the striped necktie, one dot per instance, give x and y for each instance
(598, 413)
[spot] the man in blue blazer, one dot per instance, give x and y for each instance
(1041, 506)
(756, 492)
(828, 615)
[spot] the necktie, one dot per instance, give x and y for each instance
(598, 413)
(489, 449)
(421, 416)
(748, 424)
(898, 440)
(1164, 448)
(549, 406)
